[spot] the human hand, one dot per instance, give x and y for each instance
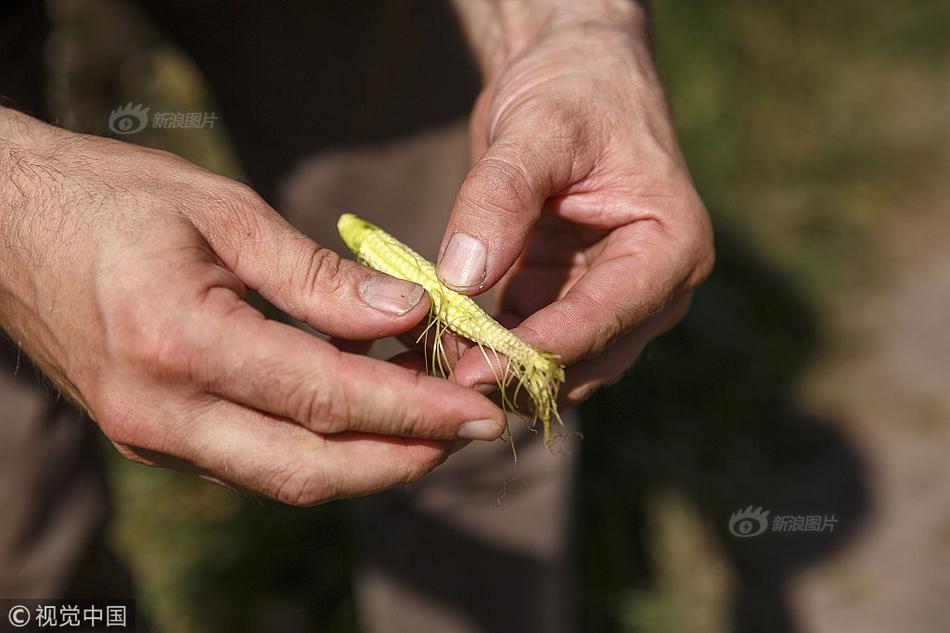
(579, 204)
(123, 274)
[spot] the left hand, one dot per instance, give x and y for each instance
(579, 205)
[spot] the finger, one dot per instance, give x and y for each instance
(415, 361)
(586, 377)
(252, 451)
(310, 283)
(281, 370)
(497, 205)
(638, 275)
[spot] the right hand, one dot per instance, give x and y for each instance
(123, 272)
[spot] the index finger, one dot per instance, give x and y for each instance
(286, 372)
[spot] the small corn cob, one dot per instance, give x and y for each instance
(538, 373)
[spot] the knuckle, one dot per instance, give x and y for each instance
(407, 413)
(236, 209)
(497, 186)
(410, 419)
(319, 270)
(234, 201)
(154, 346)
(685, 243)
(305, 485)
(605, 334)
(609, 325)
(320, 411)
(411, 473)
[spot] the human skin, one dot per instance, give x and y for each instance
(123, 271)
(579, 205)
(123, 275)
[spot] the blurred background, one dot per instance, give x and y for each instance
(810, 378)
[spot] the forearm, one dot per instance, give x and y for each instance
(27, 197)
(17, 189)
(497, 30)
(25, 190)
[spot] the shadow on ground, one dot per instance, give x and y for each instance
(709, 411)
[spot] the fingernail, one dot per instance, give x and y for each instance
(390, 295)
(480, 430)
(463, 263)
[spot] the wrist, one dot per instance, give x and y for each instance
(498, 30)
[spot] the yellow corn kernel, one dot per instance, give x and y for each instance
(537, 372)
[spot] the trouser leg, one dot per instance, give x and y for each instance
(444, 556)
(53, 495)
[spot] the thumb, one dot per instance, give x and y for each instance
(311, 283)
(497, 205)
